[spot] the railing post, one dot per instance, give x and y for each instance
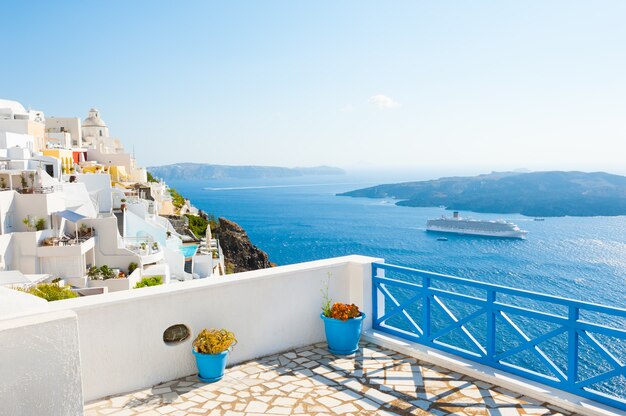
(426, 308)
(572, 346)
(374, 298)
(491, 324)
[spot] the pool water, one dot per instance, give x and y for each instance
(188, 251)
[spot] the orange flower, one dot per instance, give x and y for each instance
(344, 312)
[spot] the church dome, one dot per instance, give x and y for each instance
(94, 120)
(14, 106)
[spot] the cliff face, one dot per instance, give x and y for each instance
(238, 250)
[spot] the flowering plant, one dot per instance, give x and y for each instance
(343, 311)
(338, 310)
(214, 341)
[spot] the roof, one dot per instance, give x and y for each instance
(12, 105)
(94, 120)
(71, 216)
(13, 277)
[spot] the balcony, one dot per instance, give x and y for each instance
(40, 189)
(64, 247)
(108, 351)
(149, 250)
(309, 380)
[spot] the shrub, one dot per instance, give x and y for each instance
(93, 273)
(131, 267)
(177, 199)
(214, 341)
(51, 291)
(343, 311)
(106, 272)
(151, 177)
(197, 225)
(40, 224)
(149, 281)
(28, 222)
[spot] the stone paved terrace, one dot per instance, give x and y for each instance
(311, 381)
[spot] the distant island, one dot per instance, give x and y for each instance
(535, 194)
(203, 171)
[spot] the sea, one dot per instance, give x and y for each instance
(301, 219)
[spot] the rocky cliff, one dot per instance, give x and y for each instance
(240, 254)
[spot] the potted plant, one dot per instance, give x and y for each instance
(24, 181)
(31, 175)
(155, 246)
(40, 224)
(211, 348)
(106, 272)
(94, 273)
(123, 204)
(342, 325)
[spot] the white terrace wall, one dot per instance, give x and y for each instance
(271, 310)
(109, 247)
(40, 365)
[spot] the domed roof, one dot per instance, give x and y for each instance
(94, 120)
(13, 105)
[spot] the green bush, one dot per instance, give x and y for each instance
(149, 281)
(51, 291)
(40, 224)
(197, 225)
(151, 178)
(131, 267)
(177, 199)
(107, 273)
(93, 273)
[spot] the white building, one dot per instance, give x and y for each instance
(14, 118)
(69, 202)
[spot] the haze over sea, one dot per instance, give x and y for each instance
(300, 219)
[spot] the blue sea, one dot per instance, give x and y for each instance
(301, 219)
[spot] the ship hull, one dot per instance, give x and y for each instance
(499, 234)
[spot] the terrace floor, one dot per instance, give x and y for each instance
(311, 381)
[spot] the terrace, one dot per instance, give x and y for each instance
(108, 351)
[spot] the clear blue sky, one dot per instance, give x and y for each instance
(482, 84)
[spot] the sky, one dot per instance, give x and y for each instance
(483, 85)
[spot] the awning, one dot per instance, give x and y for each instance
(71, 216)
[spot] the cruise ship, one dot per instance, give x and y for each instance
(458, 225)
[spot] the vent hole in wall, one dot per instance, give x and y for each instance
(176, 334)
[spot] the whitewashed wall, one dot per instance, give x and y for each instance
(40, 370)
(269, 310)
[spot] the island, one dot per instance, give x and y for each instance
(205, 171)
(535, 194)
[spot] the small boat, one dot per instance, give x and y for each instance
(539, 219)
(442, 239)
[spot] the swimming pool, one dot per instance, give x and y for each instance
(188, 251)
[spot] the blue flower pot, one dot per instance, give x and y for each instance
(211, 366)
(343, 336)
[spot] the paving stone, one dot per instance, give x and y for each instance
(311, 381)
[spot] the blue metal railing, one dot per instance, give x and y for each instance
(575, 346)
